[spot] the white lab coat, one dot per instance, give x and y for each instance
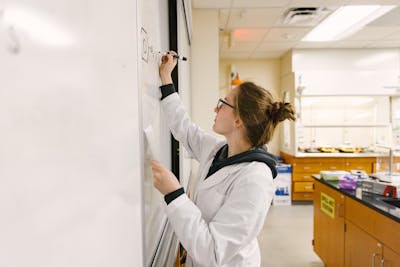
(219, 227)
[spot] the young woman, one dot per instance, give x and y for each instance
(234, 187)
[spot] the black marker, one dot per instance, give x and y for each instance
(179, 57)
(175, 56)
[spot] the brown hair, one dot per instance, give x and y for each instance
(260, 113)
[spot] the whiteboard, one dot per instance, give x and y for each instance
(156, 135)
(159, 239)
(70, 187)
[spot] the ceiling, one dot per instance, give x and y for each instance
(255, 28)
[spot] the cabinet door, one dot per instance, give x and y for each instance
(390, 258)
(329, 225)
(362, 250)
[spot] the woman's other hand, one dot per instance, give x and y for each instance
(168, 63)
(164, 180)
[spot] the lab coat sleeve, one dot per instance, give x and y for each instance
(197, 142)
(237, 223)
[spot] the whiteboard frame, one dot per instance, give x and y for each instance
(187, 11)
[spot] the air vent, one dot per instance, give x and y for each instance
(304, 16)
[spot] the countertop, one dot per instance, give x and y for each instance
(338, 155)
(371, 200)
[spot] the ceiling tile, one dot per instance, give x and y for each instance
(394, 35)
(392, 18)
(258, 18)
(259, 3)
(275, 46)
(372, 2)
(316, 3)
(253, 18)
(313, 44)
(385, 44)
(286, 34)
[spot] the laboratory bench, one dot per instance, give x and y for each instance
(304, 165)
(353, 228)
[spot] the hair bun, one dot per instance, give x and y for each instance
(260, 113)
(281, 111)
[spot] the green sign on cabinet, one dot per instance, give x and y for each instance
(328, 205)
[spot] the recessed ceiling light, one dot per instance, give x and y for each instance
(345, 21)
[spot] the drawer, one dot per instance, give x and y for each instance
(317, 167)
(302, 176)
(307, 167)
(359, 166)
(360, 160)
(302, 196)
(303, 186)
(332, 167)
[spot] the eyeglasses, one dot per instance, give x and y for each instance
(223, 102)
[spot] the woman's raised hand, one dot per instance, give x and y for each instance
(168, 63)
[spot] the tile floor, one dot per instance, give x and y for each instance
(286, 238)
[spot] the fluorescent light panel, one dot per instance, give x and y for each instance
(345, 21)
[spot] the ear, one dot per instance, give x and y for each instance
(238, 122)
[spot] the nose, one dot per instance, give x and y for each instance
(216, 109)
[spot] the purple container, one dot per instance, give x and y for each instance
(348, 182)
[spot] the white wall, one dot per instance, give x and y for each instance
(333, 72)
(204, 67)
(347, 71)
(204, 71)
(264, 72)
(70, 184)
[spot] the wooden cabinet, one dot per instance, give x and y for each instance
(370, 221)
(351, 234)
(362, 250)
(390, 258)
(304, 168)
(329, 225)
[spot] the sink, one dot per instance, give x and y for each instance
(393, 202)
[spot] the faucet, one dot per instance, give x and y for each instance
(391, 150)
